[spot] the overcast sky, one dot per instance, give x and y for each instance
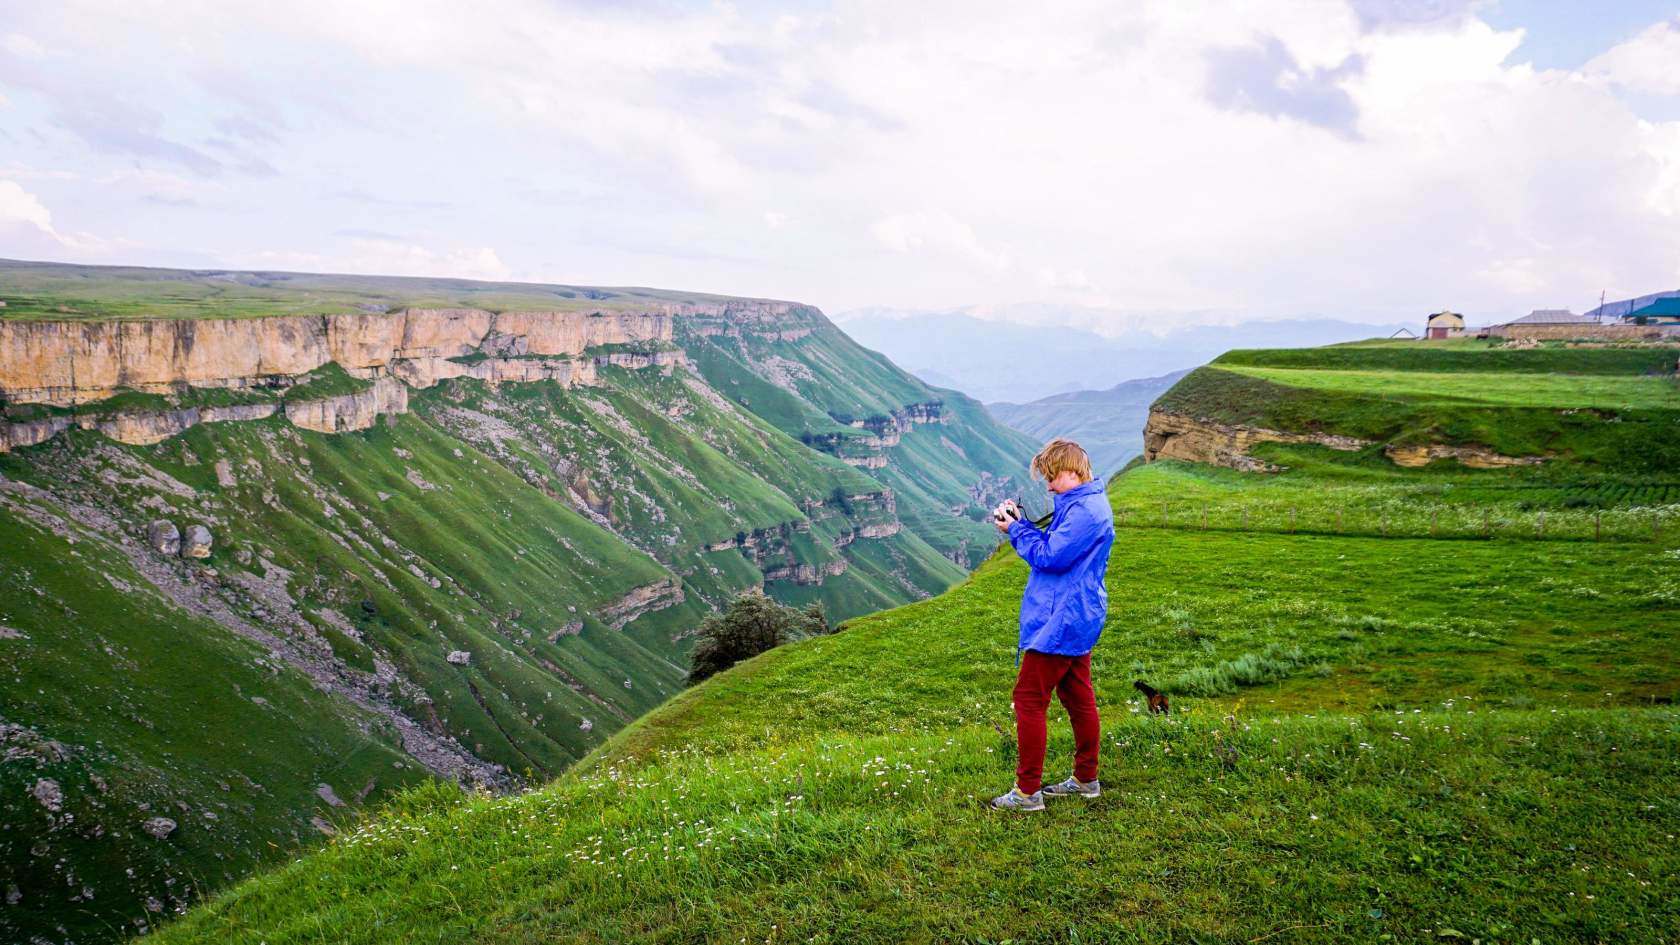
(1366, 160)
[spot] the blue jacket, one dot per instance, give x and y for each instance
(1063, 609)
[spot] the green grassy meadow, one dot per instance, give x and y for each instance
(1545, 390)
(1397, 738)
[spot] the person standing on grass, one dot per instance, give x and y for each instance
(1062, 615)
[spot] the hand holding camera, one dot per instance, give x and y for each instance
(1007, 513)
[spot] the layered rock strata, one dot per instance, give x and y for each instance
(76, 362)
(1176, 436)
(67, 364)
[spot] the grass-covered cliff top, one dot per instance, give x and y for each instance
(1611, 408)
(45, 291)
(1376, 738)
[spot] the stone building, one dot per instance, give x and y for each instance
(1443, 324)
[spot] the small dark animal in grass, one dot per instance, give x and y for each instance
(1157, 702)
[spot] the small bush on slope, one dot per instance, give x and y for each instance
(752, 625)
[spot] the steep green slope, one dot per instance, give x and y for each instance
(1379, 734)
(477, 580)
(944, 457)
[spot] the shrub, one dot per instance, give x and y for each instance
(751, 625)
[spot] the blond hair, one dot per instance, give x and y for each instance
(1059, 456)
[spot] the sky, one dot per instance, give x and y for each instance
(1368, 160)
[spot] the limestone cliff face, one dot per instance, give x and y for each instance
(648, 597)
(73, 363)
(138, 427)
(76, 362)
(346, 412)
(1176, 436)
(780, 321)
(1473, 456)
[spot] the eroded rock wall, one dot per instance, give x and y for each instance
(1177, 436)
(76, 362)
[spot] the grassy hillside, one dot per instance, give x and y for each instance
(945, 458)
(1380, 733)
(1604, 410)
(482, 589)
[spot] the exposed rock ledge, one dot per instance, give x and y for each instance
(75, 362)
(645, 599)
(339, 414)
(807, 574)
(130, 427)
(1473, 456)
(1176, 436)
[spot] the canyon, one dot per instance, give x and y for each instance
(437, 540)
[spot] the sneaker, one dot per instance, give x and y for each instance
(1074, 786)
(1015, 800)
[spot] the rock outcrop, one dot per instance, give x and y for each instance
(1176, 436)
(807, 574)
(67, 364)
(1473, 456)
(196, 543)
(164, 537)
(357, 411)
(649, 597)
(76, 362)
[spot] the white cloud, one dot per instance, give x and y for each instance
(19, 207)
(1650, 62)
(27, 230)
(976, 152)
(934, 231)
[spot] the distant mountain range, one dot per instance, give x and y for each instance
(995, 359)
(1108, 423)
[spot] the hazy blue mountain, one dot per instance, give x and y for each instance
(1108, 423)
(1000, 360)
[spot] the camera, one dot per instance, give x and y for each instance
(1009, 510)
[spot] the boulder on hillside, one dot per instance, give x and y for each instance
(159, 827)
(197, 542)
(164, 537)
(49, 794)
(459, 657)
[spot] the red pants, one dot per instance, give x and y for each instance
(1070, 678)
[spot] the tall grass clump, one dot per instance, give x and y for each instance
(1272, 664)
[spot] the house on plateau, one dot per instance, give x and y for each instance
(1554, 316)
(1660, 312)
(1443, 324)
